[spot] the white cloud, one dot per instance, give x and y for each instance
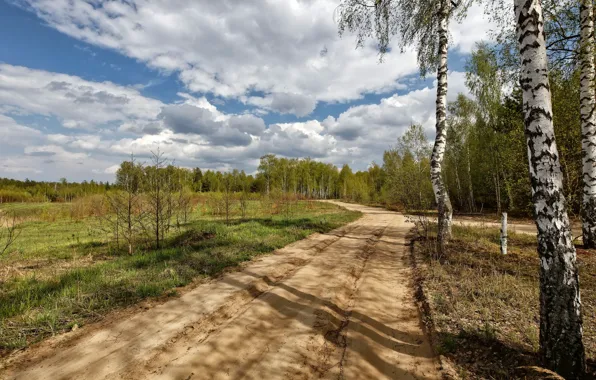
(476, 27)
(78, 103)
(230, 48)
(13, 133)
(112, 169)
(416, 107)
(284, 103)
(15, 166)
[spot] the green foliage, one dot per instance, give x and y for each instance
(486, 159)
(407, 171)
(12, 190)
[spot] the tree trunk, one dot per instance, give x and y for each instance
(441, 196)
(470, 185)
(588, 124)
(460, 201)
(504, 233)
(561, 344)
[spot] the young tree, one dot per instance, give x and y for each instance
(560, 305)
(197, 178)
(9, 233)
(588, 123)
(458, 155)
(266, 168)
(228, 195)
(414, 145)
(157, 195)
(126, 205)
(484, 80)
(183, 205)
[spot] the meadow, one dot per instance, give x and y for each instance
(484, 306)
(64, 271)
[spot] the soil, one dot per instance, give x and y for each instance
(339, 305)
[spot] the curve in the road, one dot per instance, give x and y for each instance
(336, 305)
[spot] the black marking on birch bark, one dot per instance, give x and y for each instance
(535, 113)
(534, 45)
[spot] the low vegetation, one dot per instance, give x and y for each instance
(484, 305)
(65, 271)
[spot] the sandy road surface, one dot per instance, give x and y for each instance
(332, 306)
(518, 228)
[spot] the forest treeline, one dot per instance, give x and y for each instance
(485, 162)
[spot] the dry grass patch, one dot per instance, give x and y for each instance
(485, 305)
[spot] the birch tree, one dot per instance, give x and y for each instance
(424, 24)
(560, 306)
(436, 161)
(588, 123)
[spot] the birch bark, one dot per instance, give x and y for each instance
(588, 123)
(441, 196)
(561, 344)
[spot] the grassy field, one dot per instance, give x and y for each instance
(484, 305)
(64, 272)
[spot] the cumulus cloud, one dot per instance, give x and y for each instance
(185, 118)
(277, 52)
(76, 102)
(16, 166)
(287, 47)
(247, 123)
(229, 130)
(14, 133)
(285, 103)
(297, 140)
(475, 27)
(415, 107)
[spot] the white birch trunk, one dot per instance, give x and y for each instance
(588, 124)
(561, 344)
(504, 234)
(439, 189)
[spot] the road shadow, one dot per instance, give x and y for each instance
(332, 323)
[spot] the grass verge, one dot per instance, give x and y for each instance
(484, 306)
(74, 286)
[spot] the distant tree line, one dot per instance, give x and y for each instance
(12, 190)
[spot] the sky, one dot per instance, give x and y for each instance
(212, 84)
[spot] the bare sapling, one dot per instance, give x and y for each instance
(184, 207)
(228, 195)
(243, 200)
(9, 233)
(157, 194)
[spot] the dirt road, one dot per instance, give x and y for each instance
(517, 228)
(332, 306)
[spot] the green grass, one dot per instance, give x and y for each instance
(36, 210)
(64, 273)
(485, 306)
